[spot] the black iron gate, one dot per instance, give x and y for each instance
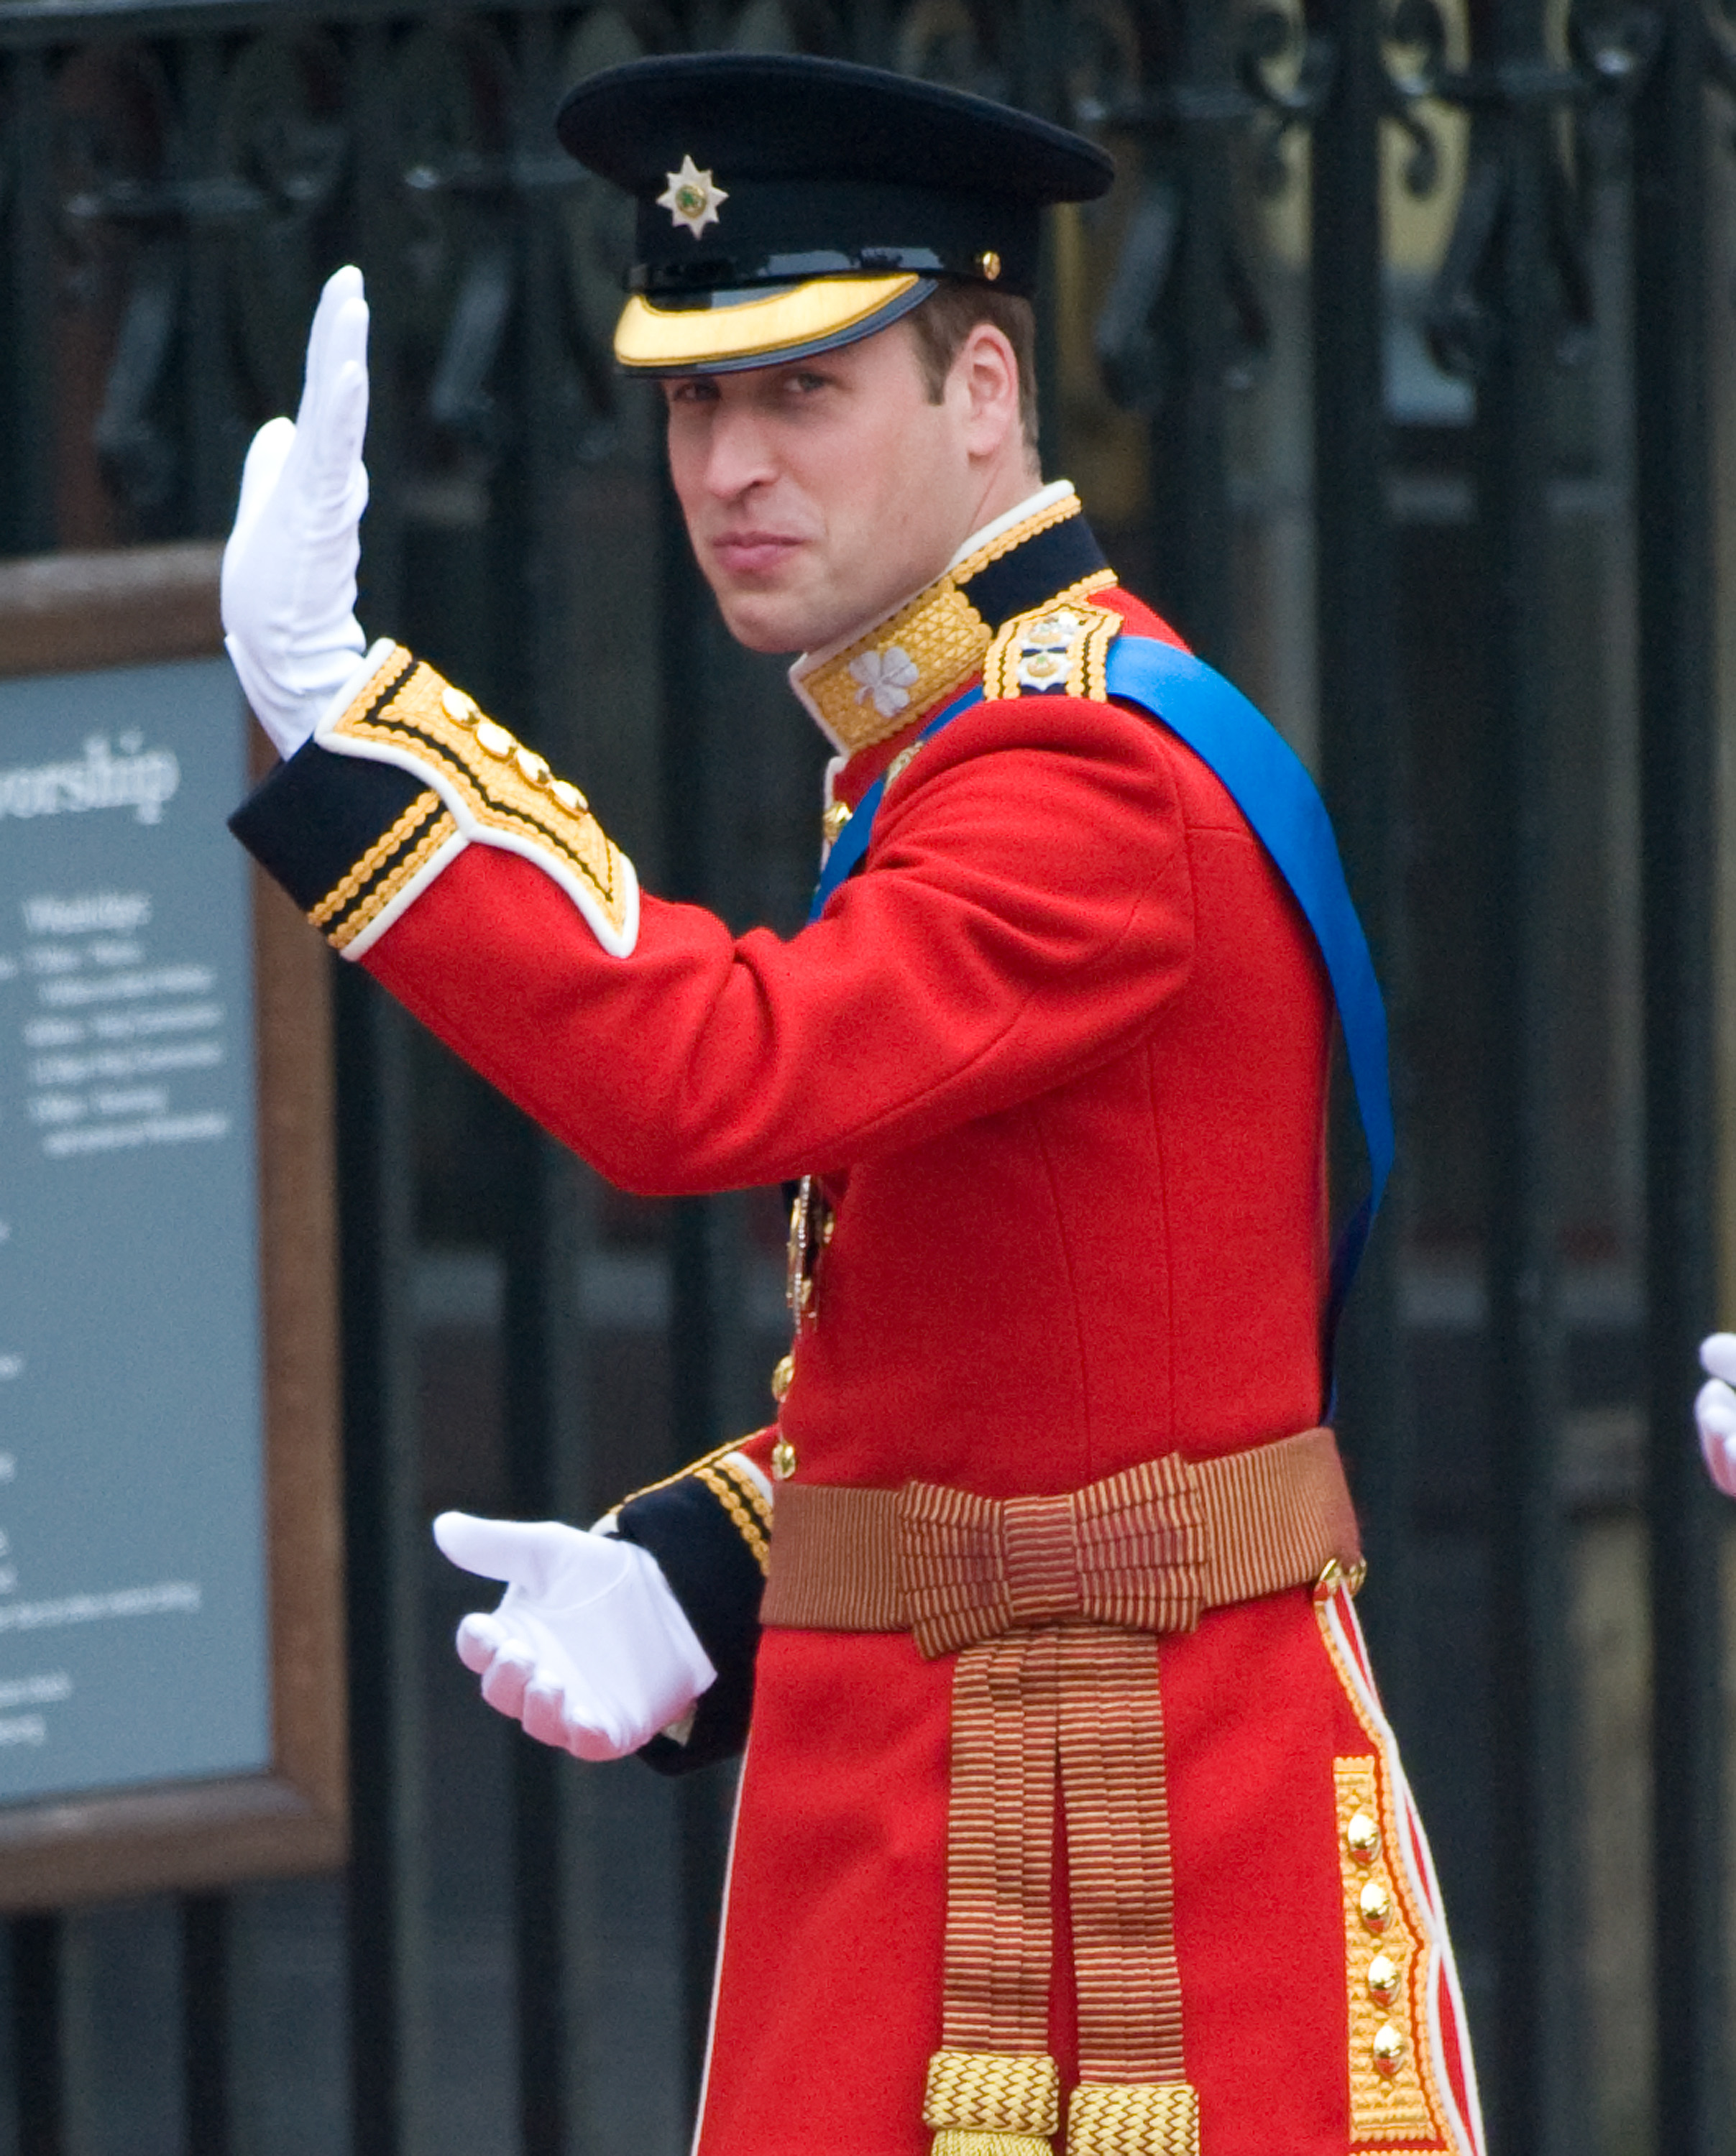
(1393, 369)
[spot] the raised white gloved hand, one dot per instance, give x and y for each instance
(289, 570)
(589, 1648)
(1715, 1409)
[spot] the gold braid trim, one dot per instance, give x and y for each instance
(756, 1502)
(1060, 647)
(986, 2141)
(1012, 2097)
(705, 1459)
(1133, 2118)
(438, 833)
(928, 650)
(379, 854)
(725, 1488)
(500, 785)
(1028, 527)
(1385, 1969)
(1394, 2098)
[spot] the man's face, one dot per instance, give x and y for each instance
(820, 492)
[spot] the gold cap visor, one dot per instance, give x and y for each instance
(761, 329)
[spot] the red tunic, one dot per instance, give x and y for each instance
(1060, 1054)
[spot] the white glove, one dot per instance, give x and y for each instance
(589, 1648)
(1715, 1411)
(289, 571)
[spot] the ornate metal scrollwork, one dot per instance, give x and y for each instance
(284, 142)
(122, 258)
(1285, 64)
(1415, 30)
(457, 264)
(1267, 80)
(1608, 50)
(940, 41)
(1721, 43)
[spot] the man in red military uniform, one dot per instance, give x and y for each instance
(1068, 1805)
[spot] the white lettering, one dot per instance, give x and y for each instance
(127, 988)
(117, 1063)
(176, 1018)
(172, 1597)
(89, 913)
(45, 1691)
(115, 1138)
(142, 782)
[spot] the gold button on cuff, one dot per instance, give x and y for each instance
(1374, 1905)
(459, 708)
(1383, 1979)
(784, 1459)
(783, 1370)
(1362, 1837)
(494, 740)
(1387, 2050)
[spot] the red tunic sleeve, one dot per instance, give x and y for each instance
(1025, 909)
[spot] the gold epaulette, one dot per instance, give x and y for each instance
(483, 786)
(1059, 648)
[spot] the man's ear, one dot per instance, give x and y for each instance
(984, 377)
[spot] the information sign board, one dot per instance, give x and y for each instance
(170, 1686)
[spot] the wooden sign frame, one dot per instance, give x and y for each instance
(76, 614)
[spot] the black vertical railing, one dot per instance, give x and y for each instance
(543, 1340)
(1678, 788)
(38, 1945)
(207, 2092)
(1361, 742)
(387, 1969)
(1196, 101)
(27, 513)
(1509, 283)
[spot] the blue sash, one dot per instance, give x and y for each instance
(1269, 782)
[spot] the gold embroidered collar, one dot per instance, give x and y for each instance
(877, 685)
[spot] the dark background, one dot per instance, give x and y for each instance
(1392, 369)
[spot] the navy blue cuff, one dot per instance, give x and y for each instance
(311, 820)
(718, 1582)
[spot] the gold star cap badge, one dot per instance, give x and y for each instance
(691, 198)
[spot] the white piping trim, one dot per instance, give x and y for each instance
(729, 1880)
(762, 1483)
(618, 944)
(401, 900)
(1046, 497)
(1353, 1656)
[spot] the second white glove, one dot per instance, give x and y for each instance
(589, 1648)
(1715, 1411)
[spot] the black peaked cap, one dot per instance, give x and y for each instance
(826, 169)
(788, 116)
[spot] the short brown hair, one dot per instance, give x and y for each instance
(948, 315)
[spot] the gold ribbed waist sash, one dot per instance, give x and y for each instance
(1051, 1603)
